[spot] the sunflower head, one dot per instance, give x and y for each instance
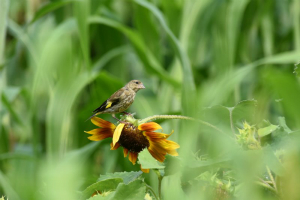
(134, 137)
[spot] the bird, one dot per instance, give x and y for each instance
(121, 100)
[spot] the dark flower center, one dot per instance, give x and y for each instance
(133, 139)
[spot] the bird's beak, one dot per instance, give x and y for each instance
(142, 86)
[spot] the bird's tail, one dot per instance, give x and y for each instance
(92, 116)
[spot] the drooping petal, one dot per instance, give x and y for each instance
(133, 157)
(102, 123)
(125, 151)
(99, 131)
(160, 156)
(159, 146)
(145, 170)
(157, 135)
(173, 152)
(117, 145)
(100, 135)
(167, 144)
(117, 133)
(150, 126)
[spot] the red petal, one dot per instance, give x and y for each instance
(100, 134)
(150, 126)
(117, 145)
(133, 157)
(125, 151)
(157, 155)
(99, 131)
(160, 147)
(98, 137)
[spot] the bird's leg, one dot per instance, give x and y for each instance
(127, 113)
(114, 116)
(123, 122)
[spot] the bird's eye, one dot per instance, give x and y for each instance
(136, 82)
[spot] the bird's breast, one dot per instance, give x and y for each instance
(128, 100)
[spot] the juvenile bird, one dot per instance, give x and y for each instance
(120, 101)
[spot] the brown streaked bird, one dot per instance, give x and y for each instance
(121, 100)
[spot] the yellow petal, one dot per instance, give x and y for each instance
(160, 156)
(145, 170)
(102, 123)
(117, 133)
(150, 126)
(132, 157)
(99, 131)
(125, 151)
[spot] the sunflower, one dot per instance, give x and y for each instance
(134, 138)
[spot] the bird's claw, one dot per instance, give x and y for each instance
(124, 122)
(120, 121)
(127, 113)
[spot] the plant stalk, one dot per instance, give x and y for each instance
(155, 117)
(152, 191)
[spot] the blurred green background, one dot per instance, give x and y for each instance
(59, 60)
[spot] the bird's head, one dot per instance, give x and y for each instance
(135, 85)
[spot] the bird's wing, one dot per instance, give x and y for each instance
(117, 95)
(113, 100)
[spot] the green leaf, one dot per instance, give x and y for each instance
(146, 56)
(148, 162)
(196, 167)
(204, 164)
(17, 31)
(105, 185)
(267, 130)
(282, 123)
(6, 100)
(127, 177)
(82, 11)
(82, 153)
(7, 187)
(244, 111)
(134, 190)
(217, 90)
(188, 87)
(172, 164)
(50, 7)
(272, 161)
(287, 87)
(106, 197)
(4, 8)
(101, 62)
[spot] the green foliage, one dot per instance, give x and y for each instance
(122, 185)
(231, 65)
(148, 162)
(101, 186)
(126, 176)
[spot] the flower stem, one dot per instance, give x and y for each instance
(160, 177)
(159, 186)
(155, 117)
(152, 191)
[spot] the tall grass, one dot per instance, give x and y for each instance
(219, 61)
